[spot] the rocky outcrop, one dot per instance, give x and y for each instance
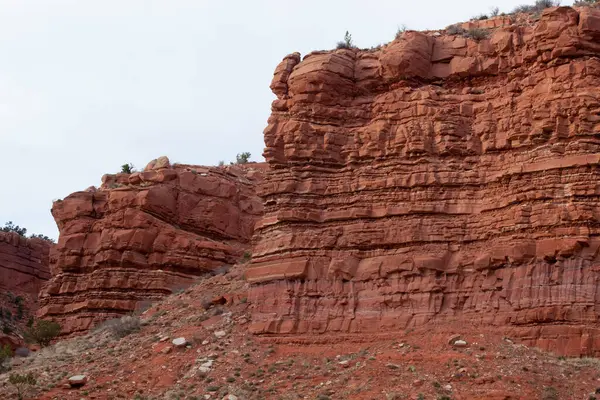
(23, 264)
(142, 235)
(437, 180)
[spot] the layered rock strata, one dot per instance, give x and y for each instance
(141, 236)
(23, 264)
(437, 180)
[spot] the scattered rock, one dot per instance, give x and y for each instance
(220, 334)
(22, 352)
(230, 397)
(166, 350)
(179, 342)
(77, 380)
(460, 343)
(453, 339)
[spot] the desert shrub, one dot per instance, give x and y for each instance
(221, 163)
(584, 3)
(549, 393)
(538, 6)
(477, 34)
(242, 158)
(480, 17)
(22, 383)
(5, 355)
(43, 237)
(246, 257)
(401, 29)
(347, 43)
(10, 227)
(495, 11)
(121, 327)
(42, 332)
(127, 168)
(455, 29)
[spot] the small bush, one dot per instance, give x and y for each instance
(10, 227)
(495, 11)
(539, 6)
(42, 332)
(127, 168)
(347, 43)
(121, 327)
(455, 29)
(5, 355)
(22, 383)
(477, 34)
(481, 17)
(242, 158)
(43, 237)
(585, 3)
(400, 31)
(246, 257)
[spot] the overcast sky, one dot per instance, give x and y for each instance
(87, 85)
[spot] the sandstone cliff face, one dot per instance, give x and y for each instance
(437, 180)
(23, 264)
(143, 235)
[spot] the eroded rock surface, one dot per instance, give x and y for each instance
(23, 264)
(141, 236)
(437, 180)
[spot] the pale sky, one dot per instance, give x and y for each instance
(88, 85)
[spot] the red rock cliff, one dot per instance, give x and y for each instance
(23, 264)
(435, 180)
(142, 235)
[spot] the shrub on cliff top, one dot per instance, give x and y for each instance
(242, 158)
(539, 6)
(10, 227)
(477, 34)
(585, 3)
(42, 332)
(347, 43)
(127, 168)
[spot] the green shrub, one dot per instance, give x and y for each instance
(127, 168)
(10, 227)
(42, 332)
(5, 355)
(242, 158)
(43, 237)
(584, 3)
(347, 43)
(22, 383)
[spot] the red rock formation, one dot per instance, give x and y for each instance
(437, 180)
(23, 264)
(143, 234)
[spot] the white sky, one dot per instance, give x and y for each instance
(87, 85)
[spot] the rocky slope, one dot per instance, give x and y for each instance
(141, 236)
(219, 360)
(436, 180)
